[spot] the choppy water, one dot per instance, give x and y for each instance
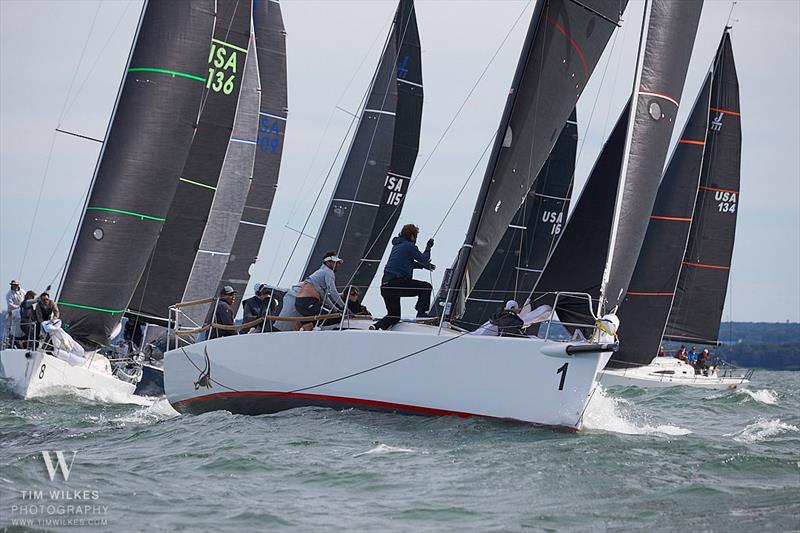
(671, 459)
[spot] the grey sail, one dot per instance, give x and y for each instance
(613, 218)
(164, 280)
(371, 187)
(670, 35)
(563, 45)
(226, 209)
(270, 37)
(145, 148)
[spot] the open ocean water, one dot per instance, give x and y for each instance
(668, 459)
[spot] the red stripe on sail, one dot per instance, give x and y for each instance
(573, 44)
(726, 111)
(703, 187)
(678, 219)
(701, 265)
(689, 141)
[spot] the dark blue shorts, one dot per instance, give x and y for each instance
(307, 306)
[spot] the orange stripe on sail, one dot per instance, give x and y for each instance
(701, 265)
(726, 111)
(677, 219)
(689, 141)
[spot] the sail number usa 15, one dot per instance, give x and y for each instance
(222, 68)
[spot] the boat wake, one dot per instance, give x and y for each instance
(766, 396)
(98, 396)
(158, 410)
(607, 413)
(762, 429)
(383, 449)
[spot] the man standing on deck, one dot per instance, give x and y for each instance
(398, 279)
(14, 298)
(223, 313)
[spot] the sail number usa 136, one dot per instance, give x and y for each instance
(222, 67)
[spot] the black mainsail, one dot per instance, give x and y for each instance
(270, 38)
(668, 35)
(700, 295)
(518, 261)
(145, 148)
(167, 272)
(562, 47)
(372, 185)
(644, 311)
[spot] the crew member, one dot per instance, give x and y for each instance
(257, 306)
(223, 312)
(398, 274)
(317, 290)
(46, 309)
(14, 298)
(353, 305)
(505, 323)
(27, 320)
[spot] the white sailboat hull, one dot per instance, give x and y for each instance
(34, 374)
(412, 369)
(667, 372)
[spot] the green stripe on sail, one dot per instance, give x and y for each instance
(229, 45)
(171, 72)
(198, 184)
(90, 308)
(131, 213)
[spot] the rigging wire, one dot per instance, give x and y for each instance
(53, 142)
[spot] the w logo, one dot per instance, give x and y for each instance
(62, 464)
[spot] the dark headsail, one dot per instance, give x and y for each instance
(700, 295)
(576, 264)
(661, 71)
(369, 195)
(271, 54)
(644, 311)
(144, 151)
(168, 270)
(519, 259)
(564, 42)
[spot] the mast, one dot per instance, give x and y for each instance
(564, 42)
(270, 37)
(696, 311)
(164, 281)
(142, 157)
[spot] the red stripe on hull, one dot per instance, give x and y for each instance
(322, 400)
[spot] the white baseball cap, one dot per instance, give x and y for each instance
(511, 304)
(334, 258)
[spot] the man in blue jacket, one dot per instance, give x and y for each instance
(398, 279)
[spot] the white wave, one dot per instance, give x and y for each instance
(382, 449)
(98, 396)
(157, 411)
(766, 396)
(762, 429)
(607, 413)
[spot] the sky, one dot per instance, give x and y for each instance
(64, 73)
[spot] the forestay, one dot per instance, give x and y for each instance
(145, 148)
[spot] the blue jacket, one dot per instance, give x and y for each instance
(405, 257)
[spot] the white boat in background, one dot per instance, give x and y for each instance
(671, 372)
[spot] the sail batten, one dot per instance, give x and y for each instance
(145, 148)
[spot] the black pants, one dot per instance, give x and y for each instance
(397, 288)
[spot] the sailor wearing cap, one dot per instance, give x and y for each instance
(503, 323)
(14, 297)
(307, 298)
(223, 312)
(257, 306)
